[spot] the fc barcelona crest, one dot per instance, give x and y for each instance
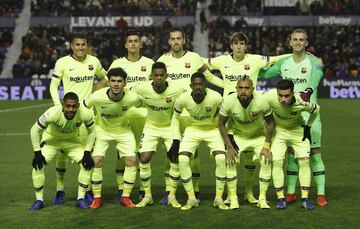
(124, 108)
(91, 67)
(187, 65)
(143, 68)
(303, 70)
(168, 99)
(247, 67)
(254, 114)
(207, 109)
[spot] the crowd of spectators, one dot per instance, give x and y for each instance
(339, 47)
(6, 39)
(11, 8)
(112, 7)
(43, 46)
(302, 7)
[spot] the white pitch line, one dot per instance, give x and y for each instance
(24, 108)
(13, 134)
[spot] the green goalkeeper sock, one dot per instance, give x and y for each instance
(96, 181)
(220, 174)
(278, 178)
(38, 177)
(145, 177)
(292, 173)
(318, 169)
(129, 180)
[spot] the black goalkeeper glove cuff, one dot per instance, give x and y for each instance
(87, 160)
(173, 152)
(233, 143)
(307, 134)
(38, 160)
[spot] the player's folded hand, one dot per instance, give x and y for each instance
(38, 160)
(307, 134)
(87, 160)
(173, 153)
(267, 155)
(305, 96)
(233, 143)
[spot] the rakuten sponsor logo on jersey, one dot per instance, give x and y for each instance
(155, 108)
(296, 80)
(174, 76)
(135, 78)
(247, 122)
(200, 118)
(80, 79)
(233, 77)
(109, 116)
(282, 117)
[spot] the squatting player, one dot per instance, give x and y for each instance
(306, 71)
(291, 130)
(57, 129)
(203, 106)
(112, 104)
(253, 127)
(77, 72)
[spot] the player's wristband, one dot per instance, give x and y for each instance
(266, 145)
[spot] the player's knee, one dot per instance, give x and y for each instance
(314, 151)
(290, 150)
(145, 157)
(98, 161)
(130, 161)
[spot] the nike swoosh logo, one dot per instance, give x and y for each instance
(227, 66)
(286, 69)
(147, 97)
(103, 107)
(71, 69)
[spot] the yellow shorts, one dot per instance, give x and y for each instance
(284, 138)
(254, 144)
(193, 137)
(152, 136)
(73, 148)
(124, 140)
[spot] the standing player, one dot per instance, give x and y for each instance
(249, 111)
(306, 71)
(57, 129)
(181, 64)
(291, 130)
(232, 67)
(111, 105)
(159, 98)
(138, 68)
(203, 106)
(77, 72)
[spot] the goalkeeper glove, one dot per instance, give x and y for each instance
(38, 160)
(233, 143)
(305, 95)
(87, 160)
(307, 134)
(173, 152)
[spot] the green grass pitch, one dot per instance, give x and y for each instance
(341, 154)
